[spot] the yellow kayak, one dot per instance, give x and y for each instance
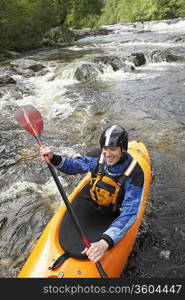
(48, 248)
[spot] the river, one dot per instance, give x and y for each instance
(79, 90)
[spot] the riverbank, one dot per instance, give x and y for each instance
(55, 37)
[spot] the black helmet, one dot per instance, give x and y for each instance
(114, 136)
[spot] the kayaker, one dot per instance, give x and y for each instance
(115, 188)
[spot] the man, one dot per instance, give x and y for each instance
(115, 188)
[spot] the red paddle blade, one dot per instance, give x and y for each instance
(30, 119)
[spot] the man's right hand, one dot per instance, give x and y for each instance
(45, 151)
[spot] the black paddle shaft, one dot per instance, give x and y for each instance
(73, 216)
(66, 201)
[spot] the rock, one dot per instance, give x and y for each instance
(165, 55)
(7, 71)
(138, 59)
(27, 64)
(6, 80)
(100, 31)
(128, 68)
(26, 67)
(86, 72)
(85, 32)
(61, 36)
(58, 36)
(115, 62)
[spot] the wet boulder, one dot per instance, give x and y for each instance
(165, 55)
(138, 59)
(85, 32)
(59, 36)
(87, 72)
(62, 36)
(6, 80)
(115, 62)
(99, 31)
(7, 71)
(27, 67)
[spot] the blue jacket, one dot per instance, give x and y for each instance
(133, 189)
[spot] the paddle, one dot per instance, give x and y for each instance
(31, 120)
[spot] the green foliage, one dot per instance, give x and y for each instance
(181, 8)
(83, 13)
(118, 11)
(110, 12)
(164, 9)
(22, 22)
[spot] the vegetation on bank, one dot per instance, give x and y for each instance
(128, 11)
(23, 22)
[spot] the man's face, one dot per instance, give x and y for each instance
(112, 155)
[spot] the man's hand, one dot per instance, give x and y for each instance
(96, 250)
(45, 151)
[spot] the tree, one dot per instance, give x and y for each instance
(64, 8)
(116, 11)
(82, 11)
(22, 22)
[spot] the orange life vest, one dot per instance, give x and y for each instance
(105, 189)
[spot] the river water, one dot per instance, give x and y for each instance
(79, 92)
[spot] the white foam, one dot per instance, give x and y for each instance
(165, 27)
(17, 188)
(121, 74)
(49, 94)
(162, 26)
